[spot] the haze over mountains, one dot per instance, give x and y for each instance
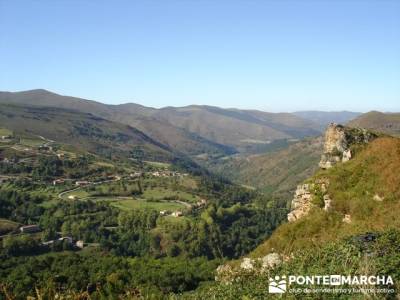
(323, 118)
(193, 129)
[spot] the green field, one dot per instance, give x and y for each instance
(32, 142)
(128, 204)
(158, 164)
(79, 194)
(169, 194)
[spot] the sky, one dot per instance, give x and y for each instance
(268, 55)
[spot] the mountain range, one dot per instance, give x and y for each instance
(193, 129)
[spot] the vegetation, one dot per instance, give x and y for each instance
(116, 214)
(354, 187)
(364, 254)
(289, 166)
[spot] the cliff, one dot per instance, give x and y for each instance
(339, 141)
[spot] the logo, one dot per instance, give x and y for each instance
(277, 285)
(330, 284)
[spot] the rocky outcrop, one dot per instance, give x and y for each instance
(301, 203)
(337, 148)
(338, 142)
(310, 195)
(227, 274)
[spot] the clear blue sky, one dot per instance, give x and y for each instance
(269, 55)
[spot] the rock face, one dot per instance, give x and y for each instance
(310, 195)
(338, 140)
(301, 203)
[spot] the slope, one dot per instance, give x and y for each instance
(192, 129)
(82, 130)
(349, 226)
(276, 172)
(383, 122)
(237, 127)
(131, 114)
(366, 189)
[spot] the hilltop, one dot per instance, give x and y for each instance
(382, 122)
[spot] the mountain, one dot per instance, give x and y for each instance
(275, 172)
(381, 122)
(193, 129)
(323, 118)
(237, 127)
(83, 130)
(130, 114)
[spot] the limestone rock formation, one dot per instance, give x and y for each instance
(338, 140)
(337, 148)
(301, 203)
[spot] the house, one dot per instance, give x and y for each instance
(58, 181)
(163, 212)
(6, 137)
(80, 244)
(156, 174)
(60, 155)
(177, 213)
(72, 197)
(29, 228)
(81, 182)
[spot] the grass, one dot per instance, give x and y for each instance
(158, 164)
(353, 185)
(32, 142)
(164, 194)
(7, 226)
(5, 131)
(130, 204)
(81, 193)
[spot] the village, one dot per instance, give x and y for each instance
(153, 187)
